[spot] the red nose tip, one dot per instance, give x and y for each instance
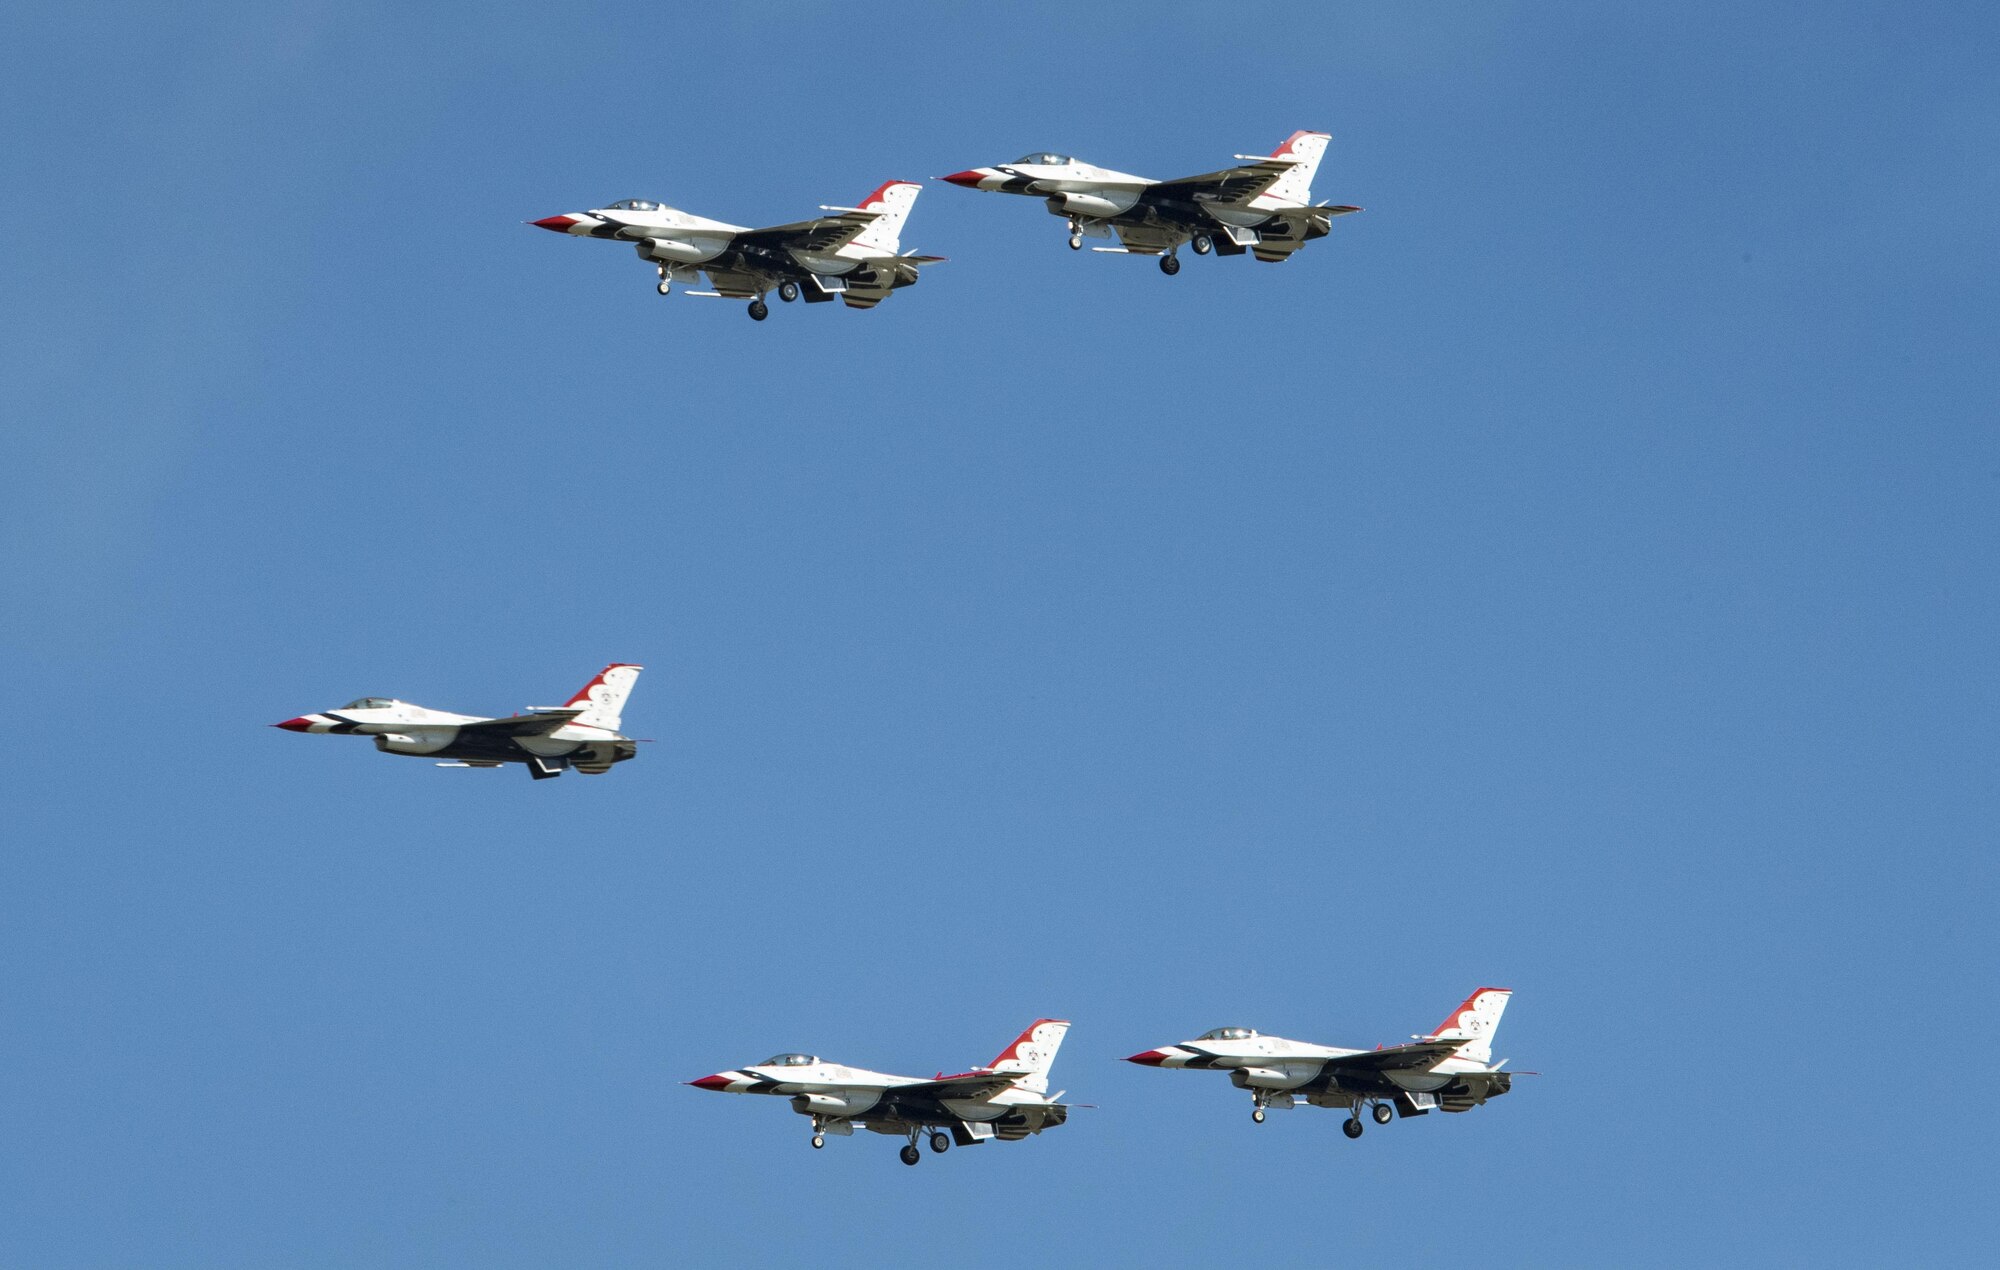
(295, 725)
(711, 1082)
(560, 224)
(968, 178)
(1148, 1058)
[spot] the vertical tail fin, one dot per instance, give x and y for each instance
(1295, 186)
(1033, 1053)
(1475, 1022)
(893, 200)
(603, 698)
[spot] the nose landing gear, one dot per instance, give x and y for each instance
(1075, 236)
(666, 283)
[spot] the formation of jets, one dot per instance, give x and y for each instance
(1451, 1069)
(1262, 205)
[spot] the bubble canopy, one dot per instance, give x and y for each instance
(633, 205)
(1046, 158)
(1228, 1034)
(371, 703)
(789, 1060)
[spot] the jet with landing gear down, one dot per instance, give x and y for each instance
(581, 735)
(1264, 206)
(1452, 1069)
(851, 254)
(1007, 1099)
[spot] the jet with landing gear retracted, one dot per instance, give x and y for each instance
(1263, 206)
(581, 735)
(1452, 1069)
(1007, 1099)
(851, 253)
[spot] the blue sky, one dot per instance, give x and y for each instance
(1575, 573)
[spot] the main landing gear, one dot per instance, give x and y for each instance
(788, 291)
(759, 310)
(910, 1154)
(1201, 244)
(940, 1142)
(1352, 1128)
(1170, 264)
(1382, 1113)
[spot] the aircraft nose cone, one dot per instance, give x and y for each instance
(711, 1082)
(1148, 1058)
(295, 725)
(970, 178)
(560, 224)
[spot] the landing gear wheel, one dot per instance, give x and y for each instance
(759, 310)
(818, 1142)
(1352, 1128)
(1201, 244)
(1382, 1113)
(788, 291)
(665, 286)
(940, 1143)
(1170, 265)
(1257, 1116)
(1076, 242)
(910, 1154)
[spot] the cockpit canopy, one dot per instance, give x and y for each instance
(789, 1060)
(1046, 159)
(1228, 1034)
(371, 703)
(633, 205)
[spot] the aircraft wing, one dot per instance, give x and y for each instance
(963, 1085)
(822, 234)
(540, 723)
(1230, 185)
(1421, 1056)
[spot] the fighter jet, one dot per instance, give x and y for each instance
(1007, 1099)
(851, 253)
(581, 734)
(1264, 206)
(1452, 1069)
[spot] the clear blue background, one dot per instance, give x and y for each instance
(1575, 574)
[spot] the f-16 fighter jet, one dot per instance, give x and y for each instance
(851, 253)
(1263, 206)
(582, 734)
(1007, 1099)
(1452, 1069)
